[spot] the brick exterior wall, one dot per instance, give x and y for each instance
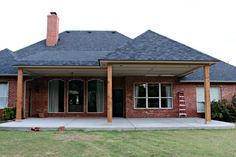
(189, 90)
(11, 92)
(40, 96)
(227, 91)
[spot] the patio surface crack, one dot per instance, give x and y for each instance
(131, 124)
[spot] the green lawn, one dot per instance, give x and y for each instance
(173, 143)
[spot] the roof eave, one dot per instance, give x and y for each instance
(212, 81)
(57, 66)
(104, 61)
(7, 75)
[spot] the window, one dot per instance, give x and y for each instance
(3, 94)
(214, 96)
(153, 95)
(76, 96)
(95, 96)
(56, 96)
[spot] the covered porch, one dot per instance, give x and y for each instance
(111, 70)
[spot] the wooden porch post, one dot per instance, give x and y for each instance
(19, 98)
(109, 93)
(207, 93)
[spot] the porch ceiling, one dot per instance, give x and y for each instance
(118, 70)
(152, 69)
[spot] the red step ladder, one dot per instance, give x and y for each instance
(181, 104)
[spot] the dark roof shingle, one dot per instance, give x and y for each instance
(6, 61)
(87, 47)
(219, 72)
(73, 48)
(153, 46)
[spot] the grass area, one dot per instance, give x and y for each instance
(173, 143)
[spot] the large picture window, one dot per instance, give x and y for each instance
(214, 96)
(153, 95)
(56, 96)
(76, 96)
(3, 95)
(95, 96)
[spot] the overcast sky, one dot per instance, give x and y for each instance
(206, 25)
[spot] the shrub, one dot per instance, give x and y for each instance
(224, 111)
(234, 100)
(9, 113)
(216, 110)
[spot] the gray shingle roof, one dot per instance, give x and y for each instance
(219, 72)
(87, 47)
(6, 62)
(73, 48)
(153, 46)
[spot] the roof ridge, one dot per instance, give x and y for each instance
(6, 49)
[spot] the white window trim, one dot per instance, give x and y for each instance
(6, 82)
(103, 96)
(68, 83)
(204, 101)
(64, 95)
(159, 97)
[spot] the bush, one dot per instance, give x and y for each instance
(9, 113)
(224, 111)
(234, 100)
(216, 110)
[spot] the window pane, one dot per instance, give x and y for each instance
(95, 96)
(56, 96)
(200, 106)
(153, 103)
(140, 90)
(3, 95)
(166, 90)
(153, 90)
(140, 103)
(76, 96)
(166, 102)
(215, 93)
(214, 96)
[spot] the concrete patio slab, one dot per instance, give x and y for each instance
(118, 124)
(177, 123)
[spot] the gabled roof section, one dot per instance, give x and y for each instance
(6, 61)
(73, 48)
(155, 47)
(219, 72)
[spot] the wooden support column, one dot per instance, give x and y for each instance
(109, 93)
(207, 94)
(19, 98)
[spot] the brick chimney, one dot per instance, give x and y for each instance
(52, 29)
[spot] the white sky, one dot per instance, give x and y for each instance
(206, 25)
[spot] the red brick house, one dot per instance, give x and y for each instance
(106, 74)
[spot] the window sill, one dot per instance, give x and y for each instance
(94, 112)
(75, 112)
(56, 112)
(153, 108)
(200, 112)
